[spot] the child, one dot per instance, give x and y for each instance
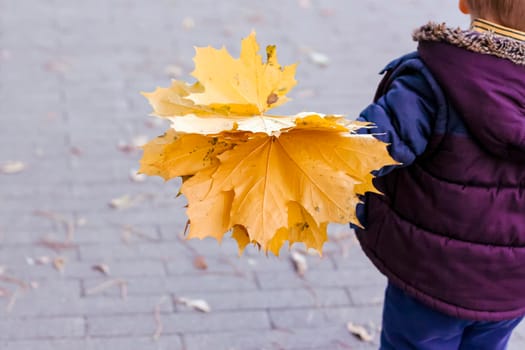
(449, 232)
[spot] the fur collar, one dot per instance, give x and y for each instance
(485, 43)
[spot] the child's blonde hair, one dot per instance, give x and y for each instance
(509, 13)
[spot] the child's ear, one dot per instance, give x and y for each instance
(463, 7)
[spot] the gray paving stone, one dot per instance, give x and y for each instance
(69, 306)
(42, 328)
(321, 317)
(285, 299)
(19, 254)
(519, 332)
(243, 264)
(325, 337)
(184, 284)
(144, 250)
(128, 343)
(355, 277)
(79, 270)
(516, 343)
(180, 323)
(367, 295)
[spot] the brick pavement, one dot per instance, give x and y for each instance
(70, 73)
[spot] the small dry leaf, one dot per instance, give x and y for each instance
(125, 147)
(123, 202)
(158, 320)
(12, 167)
(196, 304)
(39, 152)
(57, 246)
(43, 260)
(81, 222)
(188, 23)
(103, 268)
(136, 143)
(360, 332)
(57, 66)
(59, 264)
(299, 263)
(76, 151)
(319, 59)
(139, 141)
(136, 177)
(174, 71)
(305, 4)
(200, 263)
(327, 12)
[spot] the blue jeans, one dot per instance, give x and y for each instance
(408, 324)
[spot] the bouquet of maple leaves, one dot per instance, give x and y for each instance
(267, 179)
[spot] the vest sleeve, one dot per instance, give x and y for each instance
(404, 115)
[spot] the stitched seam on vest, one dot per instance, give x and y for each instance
(498, 187)
(386, 271)
(445, 236)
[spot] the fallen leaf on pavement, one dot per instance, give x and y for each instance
(103, 268)
(360, 332)
(136, 143)
(42, 260)
(12, 167)
(123, 202)
(200, 263)
(188, 23)
(136, 177)
(299, 263)
(57, 66)
(158, 321)
(174, 71)
(76, 151)
(59, 264)
(196, 304)
(319, 59)
(57, 246)
(305, 4)
(81, 222)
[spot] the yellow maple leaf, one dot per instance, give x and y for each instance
(246, 84)
(267, 179)
(173, 154)
(268, 174)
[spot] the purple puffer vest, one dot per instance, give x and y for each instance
(450, 229)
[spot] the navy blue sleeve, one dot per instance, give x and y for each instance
(404, 117)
